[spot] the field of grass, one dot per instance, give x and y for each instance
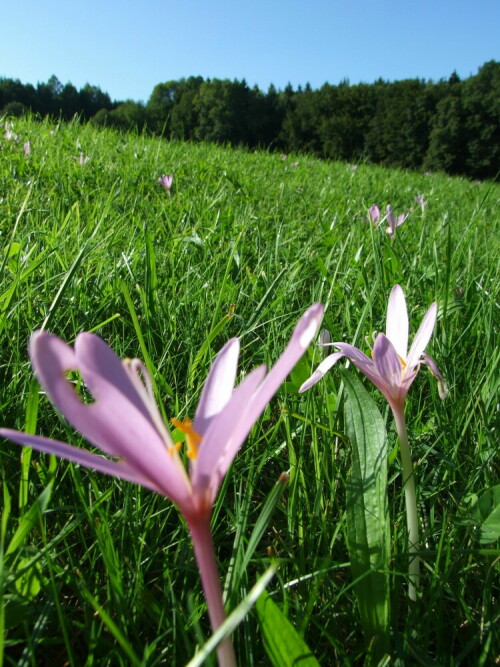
(98, 571)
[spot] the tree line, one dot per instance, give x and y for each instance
(451, 125)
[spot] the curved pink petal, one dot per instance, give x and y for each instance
(359, 359)
(397, 321)
(224, 436)
(80, 456)
(401, 219)
(422, 337)
(388, 364)
(218, 386)
(321, 370)
(442, 386)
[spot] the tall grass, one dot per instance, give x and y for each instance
(98, 571)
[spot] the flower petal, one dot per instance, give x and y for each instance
(397, 321)
(442, 386)
(388, 365)
(401, 219)
(218, 386)
(374, 214)
(323, 368)
(224, 436)
(80, 456)
(422, 337)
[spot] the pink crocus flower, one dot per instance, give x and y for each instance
(394, 222)
(27, 148)
(166, 181)
(283, 157)
(392, 369)
(125, 422)
(374, 212)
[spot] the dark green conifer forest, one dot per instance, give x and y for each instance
(451, 125)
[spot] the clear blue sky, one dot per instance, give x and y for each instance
(126, 47)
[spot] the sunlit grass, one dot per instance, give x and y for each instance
(104, 572)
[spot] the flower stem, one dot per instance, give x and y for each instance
(205, 557)
(411, 503)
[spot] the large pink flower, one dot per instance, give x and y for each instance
(125, 423)
(392, 368)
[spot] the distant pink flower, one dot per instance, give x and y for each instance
(375, 214)
(421, 201)
(27, 148)
(124, 422)
(166, 181)
(353, 167)
(393, 222)
(294, 164)
(83, 159)
(283, 157)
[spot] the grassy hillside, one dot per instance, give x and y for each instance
(99, 571)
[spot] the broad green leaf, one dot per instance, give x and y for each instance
(368, 528)
(489, 510)
(284, 646)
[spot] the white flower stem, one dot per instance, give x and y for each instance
(411, 503)
(205, 557)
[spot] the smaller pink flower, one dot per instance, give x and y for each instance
(392, 367)
(421, 201)
(394, 222)
(27, 148)
(166, 181)
(283, 157)
(83, 159)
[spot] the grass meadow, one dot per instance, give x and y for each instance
(98, 571)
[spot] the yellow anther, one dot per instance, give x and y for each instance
(193, 439)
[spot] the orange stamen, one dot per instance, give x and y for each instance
(193, 439)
